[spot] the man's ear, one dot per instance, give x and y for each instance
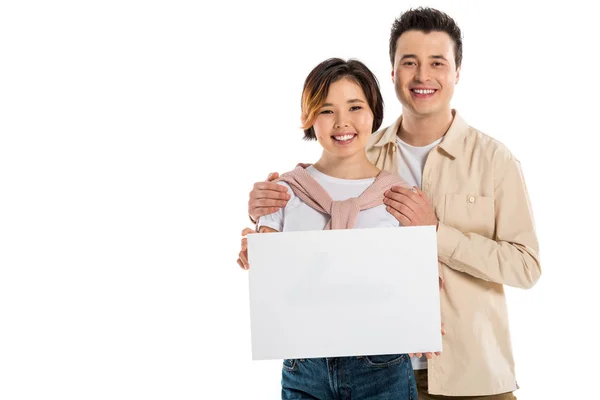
(457, 75)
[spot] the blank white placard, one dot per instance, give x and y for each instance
(344, 292)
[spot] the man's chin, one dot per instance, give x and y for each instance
(420, 111)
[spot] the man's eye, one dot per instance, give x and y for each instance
(355, 108)
(409, 63)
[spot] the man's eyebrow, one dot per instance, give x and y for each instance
(408, 56)
(349, 101)
(436, 56)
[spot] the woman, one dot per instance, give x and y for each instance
(341, 106)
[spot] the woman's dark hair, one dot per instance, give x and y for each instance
(317, 83)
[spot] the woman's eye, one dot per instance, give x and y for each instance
(355, 108)
(326, 112)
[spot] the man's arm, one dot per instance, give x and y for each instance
(266, 198)
(512, 258)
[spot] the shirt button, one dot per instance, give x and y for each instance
(471, 199)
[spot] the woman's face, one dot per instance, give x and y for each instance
(344, 122)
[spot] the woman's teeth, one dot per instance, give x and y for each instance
(342, 138)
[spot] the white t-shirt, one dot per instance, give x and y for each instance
(299, 216)
(411, 161)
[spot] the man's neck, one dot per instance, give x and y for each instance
(421, 131)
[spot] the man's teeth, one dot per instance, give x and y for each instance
(424, 91)
(344, 137)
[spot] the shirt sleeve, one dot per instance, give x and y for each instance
(275, 220)
(511, 256)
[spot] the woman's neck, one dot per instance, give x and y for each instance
(354, 167)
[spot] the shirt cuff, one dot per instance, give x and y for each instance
(252, 219)
(448, 239)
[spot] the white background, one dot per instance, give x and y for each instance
(131, 133)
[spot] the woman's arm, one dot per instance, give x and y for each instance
(243, 255)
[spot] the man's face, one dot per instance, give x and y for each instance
(425, 72)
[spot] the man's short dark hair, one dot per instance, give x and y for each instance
(425, 19)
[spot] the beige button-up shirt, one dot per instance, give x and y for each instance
(486, 239)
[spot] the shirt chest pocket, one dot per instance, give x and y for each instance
(470, 213)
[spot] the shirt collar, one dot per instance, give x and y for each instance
(450, 143)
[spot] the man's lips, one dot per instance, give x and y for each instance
(423, 91)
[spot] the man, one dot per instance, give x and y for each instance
(467, 184)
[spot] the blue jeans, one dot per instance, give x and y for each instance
(344, 378)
